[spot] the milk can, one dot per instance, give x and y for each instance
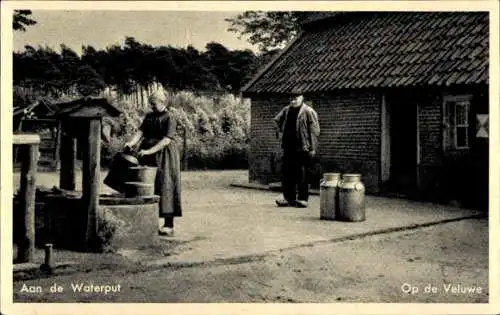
(351, 198)
(329, 195)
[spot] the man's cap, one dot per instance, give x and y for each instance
(296, 92)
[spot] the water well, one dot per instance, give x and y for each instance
(89, 220)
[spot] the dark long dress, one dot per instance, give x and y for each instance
(156, 126)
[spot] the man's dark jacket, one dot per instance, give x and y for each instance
(307, 127)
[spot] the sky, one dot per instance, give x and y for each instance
(104, 28)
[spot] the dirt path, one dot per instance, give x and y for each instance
(373, 269)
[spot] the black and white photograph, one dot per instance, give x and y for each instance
(250, 153)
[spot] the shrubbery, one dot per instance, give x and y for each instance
(217, 129)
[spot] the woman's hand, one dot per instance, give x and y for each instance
(137, 137)
(129, 145)
(144, 152)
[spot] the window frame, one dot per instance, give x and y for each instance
(465, 125)
(452, 125)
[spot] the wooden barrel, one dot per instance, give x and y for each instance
(137, 189)
(143, 174)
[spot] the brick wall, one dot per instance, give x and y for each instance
(430, 171)
(445, 175)
(350, 136)
(264, 147)
(349, 140)
(430, 130)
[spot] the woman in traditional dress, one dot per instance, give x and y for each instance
(158, 148)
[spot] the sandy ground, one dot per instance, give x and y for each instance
(451, 256)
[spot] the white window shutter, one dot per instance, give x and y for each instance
(447, 126)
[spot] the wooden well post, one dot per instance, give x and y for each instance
(67, 155)
(26, 244)
(91, 170)
(84, 115)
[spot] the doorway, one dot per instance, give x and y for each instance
(401, 131)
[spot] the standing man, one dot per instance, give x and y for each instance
(298, 128)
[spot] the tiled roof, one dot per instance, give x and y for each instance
(386, 49)
(317, 16)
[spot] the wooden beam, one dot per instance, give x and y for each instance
(67, 155)
(26, 246)
(417, 171)
(385, 150)
(26, 138)
(16, 148)
(91, 179)
(58, 147)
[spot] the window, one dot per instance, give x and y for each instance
(461, 124)
(456, 122)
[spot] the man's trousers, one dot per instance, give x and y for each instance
(296, 174)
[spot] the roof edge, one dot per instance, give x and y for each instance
(320, 16)
(84, 101)
(272, 62)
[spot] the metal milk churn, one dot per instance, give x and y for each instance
(329, 195)
(351, 198)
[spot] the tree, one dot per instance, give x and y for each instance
(42, 68)
(268, 30)
(117, 65)
(69, 64)
(89, 82)
(22, 19)
(231, 68)
(242, 68)
(133, 70)
(217, 59)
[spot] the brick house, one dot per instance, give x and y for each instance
(402, 98)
